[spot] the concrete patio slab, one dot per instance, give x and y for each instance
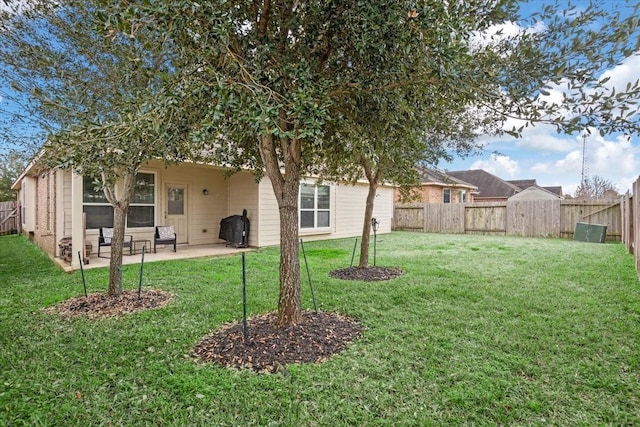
(163, 254)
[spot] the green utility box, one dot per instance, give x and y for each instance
(594, 233)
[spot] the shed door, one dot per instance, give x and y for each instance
(176, 211)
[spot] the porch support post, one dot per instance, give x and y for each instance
(77, 238)
(59, 201)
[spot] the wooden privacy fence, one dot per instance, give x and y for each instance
(9, 217)
(530, 218)
(631, 221)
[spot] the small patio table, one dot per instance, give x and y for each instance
(139, 244)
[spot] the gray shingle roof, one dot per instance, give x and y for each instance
(430, 176)
(523, 183)
(491, 186)
(555, 190)
(488, 184)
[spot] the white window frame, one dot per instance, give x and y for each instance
(316, 210)
(154, 204)
(445, 192)
(462, 196)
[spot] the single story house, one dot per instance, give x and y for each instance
(194, 198)
(439, 187)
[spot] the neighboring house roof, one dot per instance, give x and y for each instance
(523, 183)
(555, 190)
(489, 185)
(433, 177)
(535, 193)
(526, 183)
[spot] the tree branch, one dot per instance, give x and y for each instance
(263, 22)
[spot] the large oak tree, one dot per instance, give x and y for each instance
(279, 80)
(94, 92)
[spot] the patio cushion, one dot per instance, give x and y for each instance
(166, 232)
(107, 235)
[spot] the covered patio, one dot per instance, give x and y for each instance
(164, 253)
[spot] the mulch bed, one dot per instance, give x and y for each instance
(270, 348)
(100, 305)
(367, 274)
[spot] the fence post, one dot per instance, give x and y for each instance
(635, 211)
(424, 218)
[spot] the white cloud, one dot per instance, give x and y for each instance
(498, 165)
(613, 159)
(498, 33)
(626, 184)
(556, 159)
(624, 73)
(545, 138)
(570, 164)
(15, 6)
(607, 156)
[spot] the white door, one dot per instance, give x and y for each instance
(176, 210)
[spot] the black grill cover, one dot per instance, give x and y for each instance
(235, 230)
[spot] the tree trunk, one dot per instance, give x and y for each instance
(289, 302)
(286, 188)
(115, 274)
(374, 177)
(120, 209)
(366, 227)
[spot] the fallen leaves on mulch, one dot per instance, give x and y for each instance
(270, 348)
(101, 305)
(367, 274)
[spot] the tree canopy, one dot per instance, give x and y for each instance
(595, 187)
(95, 93)
(11, 165)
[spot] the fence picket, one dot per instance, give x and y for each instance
(531, 218)
(8, 217)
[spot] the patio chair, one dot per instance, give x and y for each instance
(165, 235)
(106, 235)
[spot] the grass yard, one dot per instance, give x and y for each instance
(479, 331)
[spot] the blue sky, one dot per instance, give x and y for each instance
(556, 159)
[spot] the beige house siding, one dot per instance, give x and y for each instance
(350, 204)
(66, 202)
(204, 212)
(243, 193)
(269, 221)
(383, 209)
(53, 202)
(347, 213)
(28, 201)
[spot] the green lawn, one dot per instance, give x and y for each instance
(479, 331)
